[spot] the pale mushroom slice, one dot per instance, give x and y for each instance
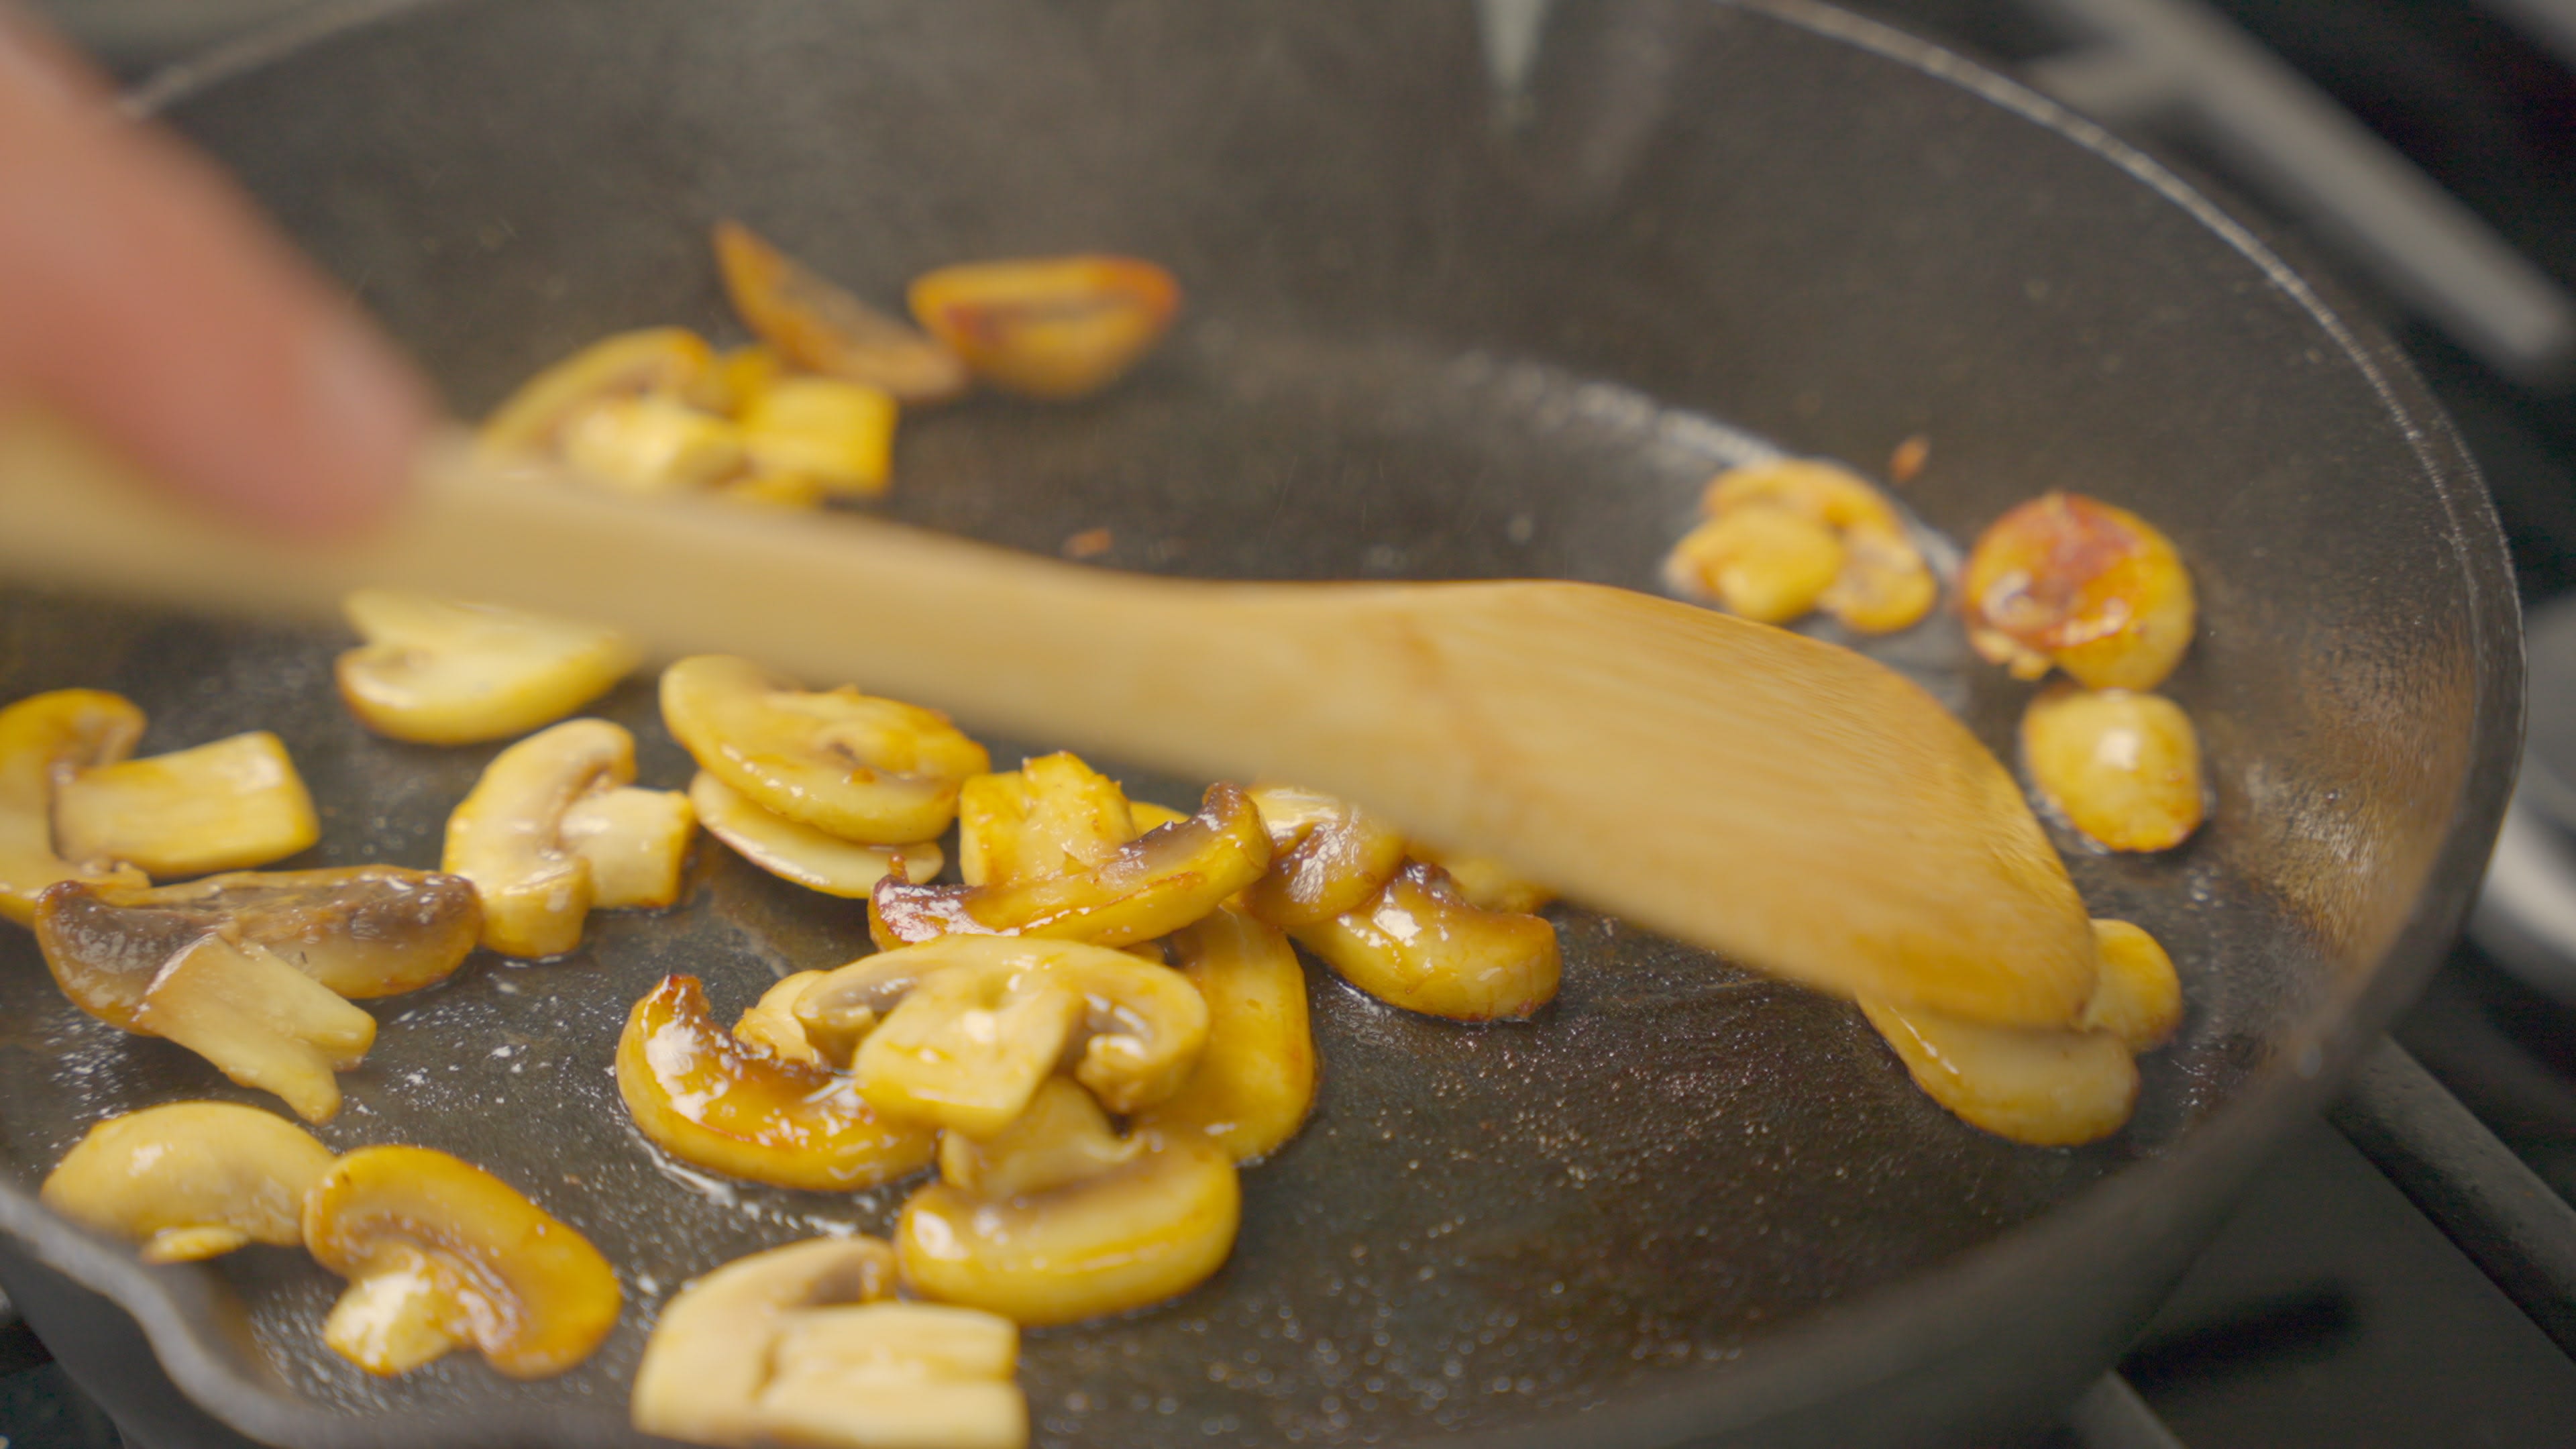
(190, 1180)
(1327, 856)
(796, 1345)
(362, 931)
(228, 805)
(873, 771)
(1255, 1081)
(441, 1255)
(1150, 887)
(439, 672)
(803, 854)
(540, 861)
(260, 1021)
(1053, 815)
(42, 738)
(1066, 1220)
(728, 1103)
(1419, 945)
(2037, 1087)
(653, 361)
(960, 1032)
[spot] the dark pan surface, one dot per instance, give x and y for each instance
(1425, 342)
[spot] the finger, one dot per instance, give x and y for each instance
(145, 298)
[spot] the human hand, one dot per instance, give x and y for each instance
(142, 296)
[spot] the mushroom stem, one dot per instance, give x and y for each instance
(260, 1021)
(397, 1318)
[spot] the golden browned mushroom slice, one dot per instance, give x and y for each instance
(960, 1031)
(228, 805)
(437, 672)
(1421, 946)
(1150, 887)
(440, 1255)
(537, 867)
(362, 931)
(1050, 327)
(665, 361)
(817, 325)
(724, 1102)
(1051, 816)
(260, 1021)
(795, 1346)
(652, 445)
(802, 853)
(1793, 534)
(771, 1021)
(2139, 998)
(190, 1180)
(1058, 1218)
(2122, 767)
(1762, 562)
(1327, 856)
(2036, 1087)
(42, 738)
(839, 434)
(1486, 883)
(863, 769)
(1255, 1081)
(2071, 581)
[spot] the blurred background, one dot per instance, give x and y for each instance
(2421, 153)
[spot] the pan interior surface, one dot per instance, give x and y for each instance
(1440, 324)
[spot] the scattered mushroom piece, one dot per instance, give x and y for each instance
(771, 1021)
(803, 854)
(2036, 1087)
(190, 1180)
(1051, 816)
(1327, 856)
(2074, 582)
(1419, 945)
(508, 836)
(1053, 328)
(796, 1345)
(1150, 887)
(727, 1102)
(2139, 999)
(1487, 884)
(228, 805)
(1069, 1220)
(260, 1022)
(362, 931)
(959, 1032)
(636, 843)
(2122, 767)
(817, 325)
(1794, 534)
(1255, 1080)
(653, 361)
(441, 1254)
(437, 672)
(838, 433)
(1766, 564)
(863, 769)
(652, 444)
(43, 737)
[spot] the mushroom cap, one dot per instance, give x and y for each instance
(507, 835)
(1328, 856)
(801, 853)
(440, 672)
(190, 1179)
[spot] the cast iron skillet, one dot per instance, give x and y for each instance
(1439, 326)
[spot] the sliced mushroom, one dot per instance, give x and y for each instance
(1052, 327)
(1792, 534)
(1051, 816)
(636, 843)
(2139, 998)
(838, 433)
(2122, 767)
(959, 1032)
(437, 672)
(260, 1022)
(1255, 1080)
(652, 445)
(2036, 1087)
(2074, 582)
(803, 854)
(1419, 945)
(228, 805)
(817, 325)
(440, 1255)
(1327, 856)
(508, 835)
(42, 738)
(1080, 1222)
(1486, 883)
(795, 1346)
(721, 1101)
(1149, 887)
(655, 360)
(771, 1021)
(362, 931)
(863, 769)
(190, 1180)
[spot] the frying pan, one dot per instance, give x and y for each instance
(1456, 310)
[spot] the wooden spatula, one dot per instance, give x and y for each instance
(1794, 805)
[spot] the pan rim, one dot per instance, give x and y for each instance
(1834, 1352)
